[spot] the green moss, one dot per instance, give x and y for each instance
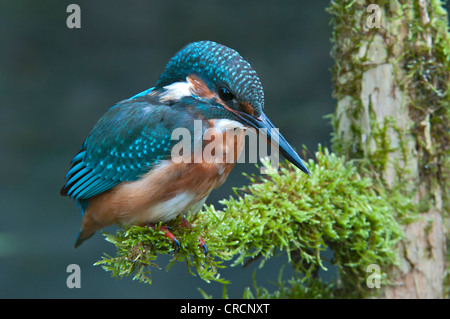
(421, 64)
(284, 211)
(425, 82)
(345, 205)
(296, 288)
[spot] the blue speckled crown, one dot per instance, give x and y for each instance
(217, 65)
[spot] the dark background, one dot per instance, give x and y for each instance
(56, 82)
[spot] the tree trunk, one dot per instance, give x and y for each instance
(391, 82)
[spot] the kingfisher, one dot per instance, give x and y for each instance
(126, 172)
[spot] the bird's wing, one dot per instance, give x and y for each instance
(124, 144)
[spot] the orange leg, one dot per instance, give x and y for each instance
(185, 224)
(202, 245)
(168, 234)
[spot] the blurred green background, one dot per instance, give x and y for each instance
(56, 82)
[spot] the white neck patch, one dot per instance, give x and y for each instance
(176, 91)
(226, 124)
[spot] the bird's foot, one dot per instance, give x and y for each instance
(185, 224)
(202, 244)
(168, 234)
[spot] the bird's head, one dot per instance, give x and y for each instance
(209, 70)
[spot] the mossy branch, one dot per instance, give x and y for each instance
(284, 210)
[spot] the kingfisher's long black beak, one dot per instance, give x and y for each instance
(263, 125)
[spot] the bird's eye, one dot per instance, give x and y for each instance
(225, 94)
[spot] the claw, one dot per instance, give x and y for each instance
(184, 223)
(203, 246)
(169, 235)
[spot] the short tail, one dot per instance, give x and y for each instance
(88, 225)
(81, 238)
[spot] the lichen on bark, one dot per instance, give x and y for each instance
(395, 121)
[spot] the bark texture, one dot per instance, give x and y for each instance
(391, 83)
